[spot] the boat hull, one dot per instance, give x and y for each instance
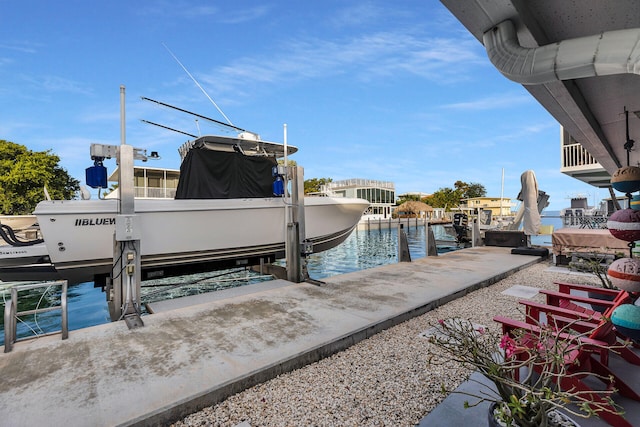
(176, 236)
(18, 222)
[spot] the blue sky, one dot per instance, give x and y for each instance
(396, 91)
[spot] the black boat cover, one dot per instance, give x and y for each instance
(207, 174)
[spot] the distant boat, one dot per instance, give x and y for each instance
(225, 214)
(580, 215)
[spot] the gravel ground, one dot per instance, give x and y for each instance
(386, 380)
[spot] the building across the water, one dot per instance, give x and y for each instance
(489, 208)
(381, 194)
(150, 183)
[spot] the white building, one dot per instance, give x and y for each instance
(381, 194)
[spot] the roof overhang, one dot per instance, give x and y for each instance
(571, 57)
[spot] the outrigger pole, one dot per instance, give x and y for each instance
(169, 128)
(144, 98)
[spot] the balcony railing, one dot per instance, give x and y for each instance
(357, 182)
(155, 193)
(575, 156)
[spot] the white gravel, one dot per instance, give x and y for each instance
(386, 380)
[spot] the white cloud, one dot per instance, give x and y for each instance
(357, 15)
(368, 57)
(507, 100)
(245, 15)
(21, 46)
(204, 10)
(51, 83)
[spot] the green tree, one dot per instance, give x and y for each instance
(25, 173)
(450, 197)
(444, 198)
(407, 198)
(470, 190)
(313, 185)
(289, 162)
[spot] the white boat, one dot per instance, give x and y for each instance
(181, 235)
(581, 215)
(18, 222)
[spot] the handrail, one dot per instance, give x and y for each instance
(575, 156)
(11, 313)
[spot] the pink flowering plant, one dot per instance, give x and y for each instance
(524, 369)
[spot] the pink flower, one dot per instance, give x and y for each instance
(508, 345)
(441, 322)
(480, 330)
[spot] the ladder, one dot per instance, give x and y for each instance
(11, 313)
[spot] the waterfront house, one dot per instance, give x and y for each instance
(150, 183)
(381, 194)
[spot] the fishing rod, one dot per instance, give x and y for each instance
(167, 127)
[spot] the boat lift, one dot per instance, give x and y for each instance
(124, 286)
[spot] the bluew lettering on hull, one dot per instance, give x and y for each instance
(85, 222)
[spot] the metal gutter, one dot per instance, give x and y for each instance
(607, 53)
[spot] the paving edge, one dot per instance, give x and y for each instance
(182, 408)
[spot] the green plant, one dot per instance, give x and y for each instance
(526, 400)
(596, 265)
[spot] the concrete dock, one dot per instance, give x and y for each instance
(194, 354)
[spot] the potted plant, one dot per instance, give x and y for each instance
(525, 393)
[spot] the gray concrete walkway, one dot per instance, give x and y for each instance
(187, 358)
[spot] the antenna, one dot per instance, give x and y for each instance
(198, 84)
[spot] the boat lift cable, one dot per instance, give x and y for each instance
(182, 110)
(10, 237)
(117, 261)
(130, 293)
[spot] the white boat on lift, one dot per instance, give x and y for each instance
(224, 215)
(18, 222)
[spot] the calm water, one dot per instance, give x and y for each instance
(362, 250)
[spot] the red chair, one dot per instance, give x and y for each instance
(562, 309)
(579, 363)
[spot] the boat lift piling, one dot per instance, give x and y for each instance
(404, 255)
(124, 286)
(126, 248)
(297, 247)
(430, 247)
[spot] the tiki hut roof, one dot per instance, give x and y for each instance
(415, 207)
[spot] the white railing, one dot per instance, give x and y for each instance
(356, 182)
(156, 193)
(575, 156)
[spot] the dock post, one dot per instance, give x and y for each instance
(403, 245)
(430, 241)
